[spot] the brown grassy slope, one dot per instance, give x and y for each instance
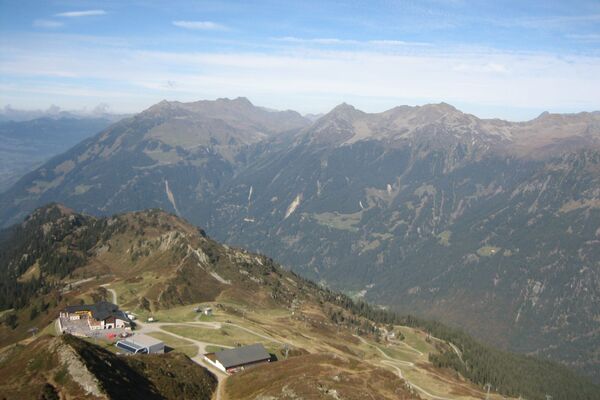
(152, 259)
(151, 246)
(317, 376)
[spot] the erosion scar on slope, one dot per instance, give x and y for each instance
(292, 207)
(171, 197)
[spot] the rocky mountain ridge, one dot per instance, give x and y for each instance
(548, 134)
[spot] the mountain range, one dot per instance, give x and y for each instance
(489, 225)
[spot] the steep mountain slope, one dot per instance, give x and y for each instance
(67, 367)
(465, 223)
(506, 248)
(337, 378)
(156, 264)
(141, 161)
(26, 145)
(486, 224)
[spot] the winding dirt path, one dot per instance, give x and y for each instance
(198, 359)
(114, 295)
(393, 362)
(408, 346)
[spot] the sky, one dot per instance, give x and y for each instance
(505, 59)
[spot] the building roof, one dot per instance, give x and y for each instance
(100, 311)
(242, 355)
(140, 340)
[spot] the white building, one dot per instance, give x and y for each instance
(101, 315)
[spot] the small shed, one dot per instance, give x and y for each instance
(141, 344)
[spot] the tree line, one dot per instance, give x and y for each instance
(507, 373)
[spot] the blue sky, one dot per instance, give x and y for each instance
(507, 59)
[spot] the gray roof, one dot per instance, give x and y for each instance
(140, 340)
(242, 355)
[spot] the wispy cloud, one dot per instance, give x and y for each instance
(324, 41)
(308, 78)
(585, 37)
(47, 24)
(200, 25)
(294, 76)
(487, 67)
(82, 13)
(551, 22)
(397, 43)
(337, 41)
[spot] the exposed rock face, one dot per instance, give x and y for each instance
(69, 358)
(487, 224)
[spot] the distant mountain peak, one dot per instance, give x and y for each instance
(207, 106)
(438, 110)
(343, 107)
(543, 115)
(160, 107)
(242, 100)
(238, 101)
(345, 111)
(442, 105)
(346, 125)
